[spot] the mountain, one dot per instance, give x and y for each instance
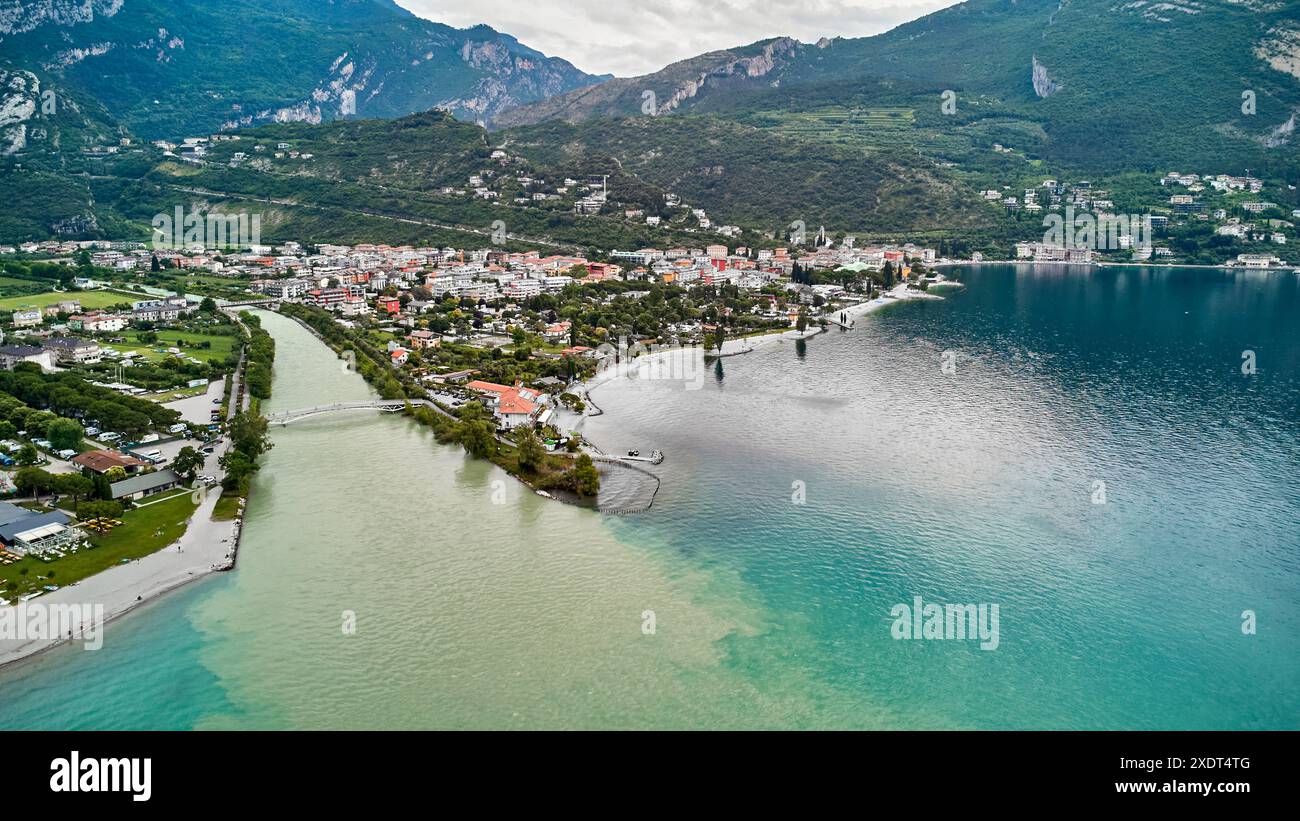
(751, 176)
(673, 89)
(1089, 84)
(170, 68)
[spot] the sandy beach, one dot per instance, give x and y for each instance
(205, 547)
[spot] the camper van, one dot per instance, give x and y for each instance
(179, 427)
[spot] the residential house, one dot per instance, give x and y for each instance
(11, 355)
(420, 340)
(27, 317)
(98, 322)
(69, 350)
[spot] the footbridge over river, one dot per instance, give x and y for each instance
(283, 418)
(626, 487)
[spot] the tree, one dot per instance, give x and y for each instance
(586, 481)
(476, 432)
(38, 423)
(529, 452)
(208, 305)
(248, 434)
(32, 481)
(188, 462)
(64, 434)
(115, 474)
(239, 471)
(74, 485)
(27, 455)
(103, 485)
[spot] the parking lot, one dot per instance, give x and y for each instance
(197, 408)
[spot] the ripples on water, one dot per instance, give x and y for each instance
(977, 487)
(972, 487)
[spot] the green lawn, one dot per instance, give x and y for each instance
(227, 507)
(163, 397)
(143, 531)
(168, 337)
(89, 299)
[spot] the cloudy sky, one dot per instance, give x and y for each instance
(631, 37)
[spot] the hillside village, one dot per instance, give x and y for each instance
(1188, 218)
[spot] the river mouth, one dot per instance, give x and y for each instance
(803, 497)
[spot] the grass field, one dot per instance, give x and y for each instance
(143, 531)
(167, 338)
(89, 299)
(163, 397)
(227, 507)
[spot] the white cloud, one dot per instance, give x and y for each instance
(631, 37)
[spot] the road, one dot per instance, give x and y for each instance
(376, 214)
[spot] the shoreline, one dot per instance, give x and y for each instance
(965, 263)
(207, 546)
(897, 295)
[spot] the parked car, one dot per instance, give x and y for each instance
(41, 443)
(67, 454)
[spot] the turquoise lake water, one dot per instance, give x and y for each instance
(976, 486)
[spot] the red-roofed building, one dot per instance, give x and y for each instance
(513, 406)
(558, 331)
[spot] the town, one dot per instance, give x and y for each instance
(118, 397)
(491, 346)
